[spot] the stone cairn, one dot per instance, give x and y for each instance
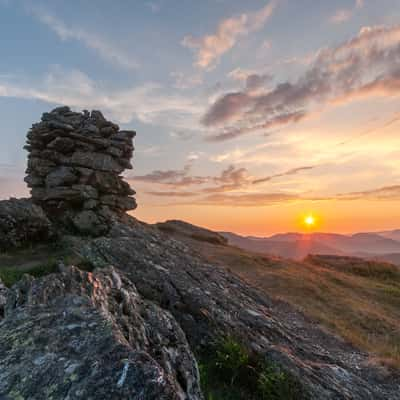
(74, 166)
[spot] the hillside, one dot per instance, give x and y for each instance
(297, 246)
(356, 299)
(95, 304)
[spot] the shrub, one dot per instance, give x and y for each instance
(228, 371)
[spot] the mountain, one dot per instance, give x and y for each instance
(395, 235)
(298, 246)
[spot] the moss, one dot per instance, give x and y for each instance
(11, 275)
(228, 371)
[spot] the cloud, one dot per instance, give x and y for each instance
(186, 81)
(175, 178)
(149, 103)
(273, 122)
(231, 178)
(171, 194)
(249, 199)
(382, 193)
(106, 50)
(292, 171)
(153, 6)
(365, 66)
(211, 47)
(344, 14)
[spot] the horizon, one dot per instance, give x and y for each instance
(247, 120)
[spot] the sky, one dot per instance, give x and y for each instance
(249, 115)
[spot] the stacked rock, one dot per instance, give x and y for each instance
(74, 166)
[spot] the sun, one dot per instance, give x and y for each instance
(309, 220)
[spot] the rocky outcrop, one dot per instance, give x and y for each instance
(3, 298)
(22, 223)
(74, 166)
(128, 331)
(80, 335)
(210, 302)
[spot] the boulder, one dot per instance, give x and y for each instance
(88, 222)
(82, 335)
(22, 223)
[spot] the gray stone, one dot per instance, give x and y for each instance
(62, 176)
(99, 161)
(75, 157)
(22, 223)
(119, 202)
(3, 298)
(88, 223)
(79, 335)
(62, 144)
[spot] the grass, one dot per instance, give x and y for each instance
(210, 239)
(228, 371)
(359, 301)
(11, 275)
(36, 261)
(365, 268)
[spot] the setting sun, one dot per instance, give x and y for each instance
(309, 220)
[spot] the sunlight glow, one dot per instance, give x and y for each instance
(309, 220)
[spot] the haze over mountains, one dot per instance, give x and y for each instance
(378, 245)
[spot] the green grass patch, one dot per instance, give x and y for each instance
(11, 275)
(228, 371)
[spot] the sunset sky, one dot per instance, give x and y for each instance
(249, 115)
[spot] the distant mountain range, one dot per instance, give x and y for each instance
(375, 245)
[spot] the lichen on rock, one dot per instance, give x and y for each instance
(82, 335)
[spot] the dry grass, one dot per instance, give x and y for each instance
(359, 301)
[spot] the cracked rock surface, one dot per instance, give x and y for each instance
(209, 301)
(82, 335)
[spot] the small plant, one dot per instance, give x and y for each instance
(11, 275)
(275, 384)
(231, 358)
(228, 371)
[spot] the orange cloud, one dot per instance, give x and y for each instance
(209, 48)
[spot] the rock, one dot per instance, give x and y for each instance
(62, 144)
(208, 301)
(22, 223)
(119, 202)
(73, 159)
(3, 298)
(61, 176)
(80, 335)
(97, 161)
(89, 223)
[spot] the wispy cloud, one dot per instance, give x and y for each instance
(365, 66)
(171, 194)
(232, 178)
(154, 6)
(176, 178)
(149, 103)
(344, 14)
(210, 48)
(382, 193)
(292, 171)
(106, 50)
